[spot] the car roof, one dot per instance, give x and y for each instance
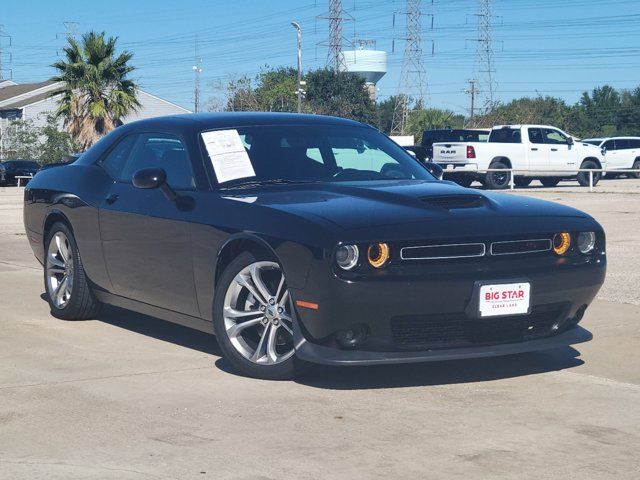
(206, 121)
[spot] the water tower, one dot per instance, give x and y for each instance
(371, 65)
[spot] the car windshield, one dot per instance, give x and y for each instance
(322, 153)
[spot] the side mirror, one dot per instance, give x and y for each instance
(570, 141)
(434, 169)
(149, 178)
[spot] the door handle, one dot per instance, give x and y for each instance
(112, 198)
(554, 149)
(534, 149)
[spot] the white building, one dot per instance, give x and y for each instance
(34, 101)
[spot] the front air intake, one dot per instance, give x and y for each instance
(451, 202)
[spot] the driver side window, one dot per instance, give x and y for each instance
(554, 137)
(158, 150)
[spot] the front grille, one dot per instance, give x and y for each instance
(435, 252)
(514, 247)
(458, 330)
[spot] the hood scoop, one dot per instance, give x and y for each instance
(452, 202)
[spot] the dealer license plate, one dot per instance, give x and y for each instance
(505, 299)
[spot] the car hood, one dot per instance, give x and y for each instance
(362, 205)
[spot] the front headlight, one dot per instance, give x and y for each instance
(586, 242)
(347, 256)
(561, 243)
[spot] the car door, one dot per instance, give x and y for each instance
(146, 239)
(561, 155)
(611, 154)
(538, 150)
(622, 154)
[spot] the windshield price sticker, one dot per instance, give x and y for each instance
(506, 299)
(227, 154)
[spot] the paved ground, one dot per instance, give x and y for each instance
(131, 397)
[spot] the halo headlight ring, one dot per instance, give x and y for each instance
(561, 243)
(378, 254)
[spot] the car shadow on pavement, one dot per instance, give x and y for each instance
(360, 378)
(160, 330)
(442, 372)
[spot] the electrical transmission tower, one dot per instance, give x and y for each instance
(486, 68)
(7, 38)
(413, 77)
(336, 16)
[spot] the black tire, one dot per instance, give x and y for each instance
(583, 177)
(464, 181)
(522, 181)
(285, 370)
(550, 181)
(497, 180)
(81, 303)
(636, 166)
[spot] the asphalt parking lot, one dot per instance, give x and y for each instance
(130, 397)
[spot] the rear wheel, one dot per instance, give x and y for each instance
(253, 319)
(583, 177)
(497, 180)
(636, 166)
(522, 181)
(67, 288)
(550, 181)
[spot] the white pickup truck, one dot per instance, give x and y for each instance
(536, 151)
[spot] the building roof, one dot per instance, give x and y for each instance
(17, 96)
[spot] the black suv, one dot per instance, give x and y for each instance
(10, 169)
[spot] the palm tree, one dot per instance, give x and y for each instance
(97, 92)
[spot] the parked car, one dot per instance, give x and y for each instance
(429, 137)
(16, 168)
(623, 153)
(304, 238)
(541, 152)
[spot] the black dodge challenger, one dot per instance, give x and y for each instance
(303, 239)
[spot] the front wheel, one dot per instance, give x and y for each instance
(636, 166)
(67, 288)
(253, 319)
(583, 177)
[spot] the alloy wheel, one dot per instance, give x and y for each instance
(257, 314)
(59, 267)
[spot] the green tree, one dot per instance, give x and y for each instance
(341, 94)
(276, 90)
(56, 143)
(431, 118)
(21, 141)
(538, 110)
(384, 114)
(98, 92)
(597, 111)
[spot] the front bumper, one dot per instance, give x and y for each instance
(315, 353)
(418, 313)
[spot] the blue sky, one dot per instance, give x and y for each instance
(555, 47)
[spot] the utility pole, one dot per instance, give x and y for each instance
(472, 93)
(197, 70)
(486, 68)
(299, 86)
(413, 77)
(4, 35)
